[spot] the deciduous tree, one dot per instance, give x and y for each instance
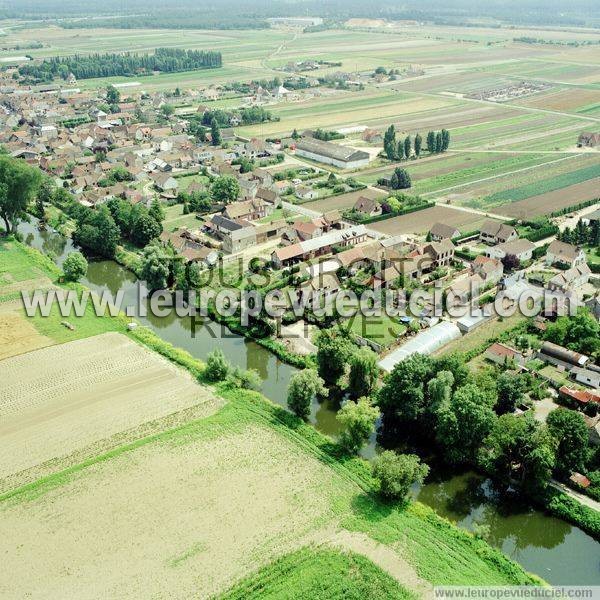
(396, 473)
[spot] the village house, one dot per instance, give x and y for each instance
(367, 207)
(441, 231)
(251, 210)
(441, 253)
(522, 249)
(318, 290)
(562, 253)
(570, 279)
(235, 235)
(305, 193)
(494, 232)
(302, 251)
(501, 354)
(460, 292)
(164, 182)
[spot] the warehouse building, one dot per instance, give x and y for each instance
(332, 154)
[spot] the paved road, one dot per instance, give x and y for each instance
(581, 498)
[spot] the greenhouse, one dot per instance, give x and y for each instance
(426, 342)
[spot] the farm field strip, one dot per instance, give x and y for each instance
(544, 204)
(421, 221)
(488, 171)
(59, 399)
(548, 167)
(546, 185)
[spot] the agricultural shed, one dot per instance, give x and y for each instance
(426, 342)
(471, 320)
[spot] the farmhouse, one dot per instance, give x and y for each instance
(587, 139)
(565, 254)
(493, 232)
(441, 231)
(283, 257)
(332, 154)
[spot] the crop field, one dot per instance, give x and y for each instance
(563, 100)
(81, 392)
(544, 204)
(352, 108)
(193, 510)
(422, 220)
(555, 175)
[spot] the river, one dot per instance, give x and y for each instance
(556, 551)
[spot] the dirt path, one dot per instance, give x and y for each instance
(385, 558)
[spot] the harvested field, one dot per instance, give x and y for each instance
(342, 201)
(177, 520)
(421, 221)
(17, 334)
(57, 400)
(562, 99)
(193, 510)
(543, 204)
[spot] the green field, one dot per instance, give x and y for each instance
(320, 575)
(543, 186)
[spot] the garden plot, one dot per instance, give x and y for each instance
(57, 400)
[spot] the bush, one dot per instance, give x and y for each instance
(245, 379)
(75, 266)
(217, 366)
(396, 473)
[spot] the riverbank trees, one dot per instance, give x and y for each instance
(19, 184)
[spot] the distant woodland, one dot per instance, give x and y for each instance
(166, 60)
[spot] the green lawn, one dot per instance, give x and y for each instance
(174, 218)
(592, 255)
(380, 329)
(22, 263)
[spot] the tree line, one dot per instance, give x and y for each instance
(403, 149)
(127, 64)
